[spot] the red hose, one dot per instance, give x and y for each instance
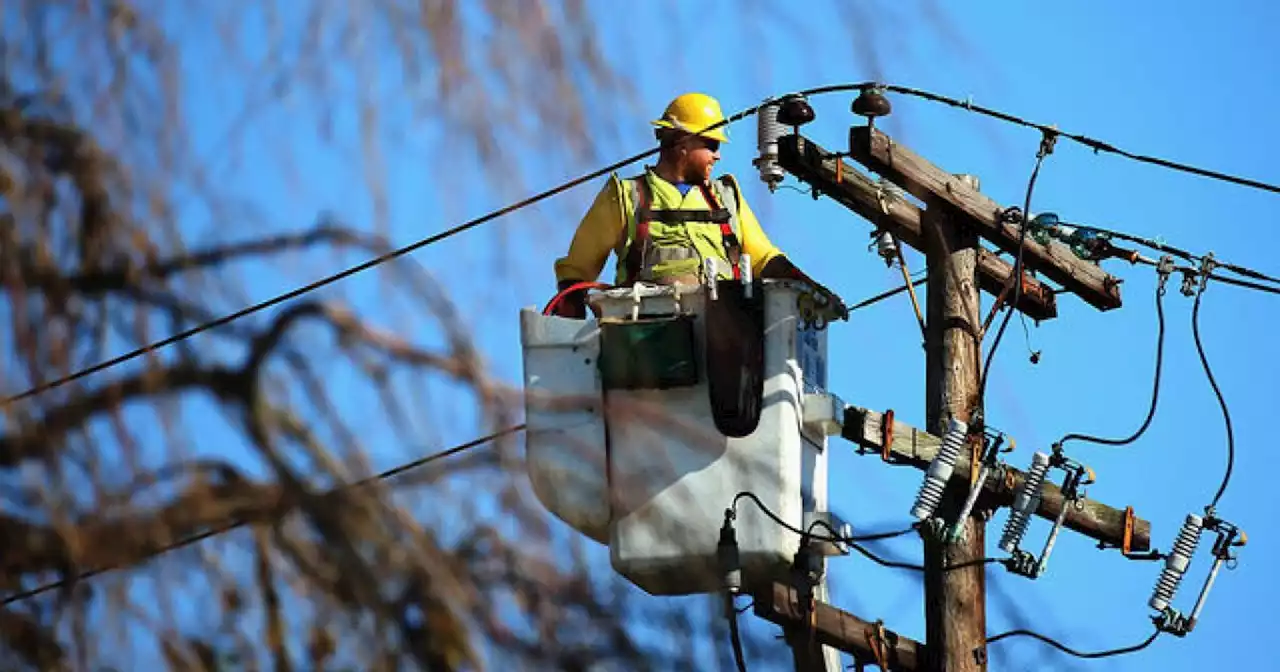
(577, 286)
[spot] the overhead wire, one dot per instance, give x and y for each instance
(227, 527)
(1048, 132)
(1092, 143)
(1222, 402)
(1155, 386)
(1096, 145)
(1074, 652)
(1187, 270)
(327, 280)
(852, 541)
(1166, 248)
(1016, 275)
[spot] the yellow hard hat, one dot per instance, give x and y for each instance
(692, 112)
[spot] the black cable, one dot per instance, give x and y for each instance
(227, 527)
(1247, 272)
(1214, 276)
(1155, 387)
(836, 537)
(863, 538)
(1096, 145)
(884, 295)
(305, 289)
(1178, 252)
(1068, 650)
(1015, 276)
(1222, 403)
(735, 637)
(1245, 283)
(886, 563)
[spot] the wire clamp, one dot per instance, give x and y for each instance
(1164, 268)
(1207, 264)
(1048, 138)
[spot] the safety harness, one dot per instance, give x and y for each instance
(726, 216)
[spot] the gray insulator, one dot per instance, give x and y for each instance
(935, 481)
(885, 246)
(1025, 502)
(1175, 566)
(768, 131)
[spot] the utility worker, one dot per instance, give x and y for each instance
(664, 223)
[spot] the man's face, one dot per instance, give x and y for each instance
(701, 155)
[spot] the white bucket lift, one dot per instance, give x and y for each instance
(625, 444)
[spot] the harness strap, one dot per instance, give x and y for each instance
(732, 249)
(715, 214)
(639, 245)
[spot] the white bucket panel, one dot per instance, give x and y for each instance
(565, 440)
(672, 475)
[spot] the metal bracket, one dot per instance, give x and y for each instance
(990, 467)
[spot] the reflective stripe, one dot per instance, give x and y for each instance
(660, 254)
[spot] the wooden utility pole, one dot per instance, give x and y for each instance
(948, 230)
(955, 599)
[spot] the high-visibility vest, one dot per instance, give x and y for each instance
(664, 240)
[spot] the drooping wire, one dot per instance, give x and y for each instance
(852, 541)
(1073, 652)
(1155, 386)
(1046, 146)
(327, 280)
(1094, 144)
(1222, 402)
(227, 527)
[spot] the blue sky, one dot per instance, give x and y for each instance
(1167, 79)
(1153, 79)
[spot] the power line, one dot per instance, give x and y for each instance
(1092, 143)
(852, 541)
(305, 289)
(884, 295)
(1073, 652)
(227, 527)
(1048, 131)
(1155, 386)
(1046, 146)
(1222, 402)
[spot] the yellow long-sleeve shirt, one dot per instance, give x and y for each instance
(604, 230)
